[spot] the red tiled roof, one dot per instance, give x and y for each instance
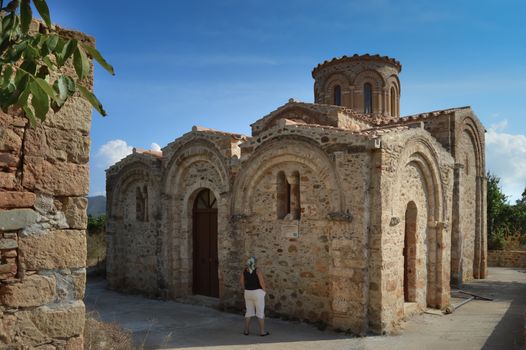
(356, 57)
(218, 132)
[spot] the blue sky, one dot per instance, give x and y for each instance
(224, 64)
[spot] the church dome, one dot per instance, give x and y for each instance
(368, 84)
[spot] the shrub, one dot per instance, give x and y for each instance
(498, 240)
(99, 335)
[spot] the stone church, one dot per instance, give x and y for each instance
(358, 217)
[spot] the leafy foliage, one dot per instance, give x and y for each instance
(31, 62)
(505, 221)
(96, 224)
(96, 241)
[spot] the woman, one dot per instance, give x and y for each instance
(254, 284)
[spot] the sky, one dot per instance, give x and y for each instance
(225, 64)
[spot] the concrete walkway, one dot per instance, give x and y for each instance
(158, 324)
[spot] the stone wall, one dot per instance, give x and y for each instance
(43, 186)
(507, 258)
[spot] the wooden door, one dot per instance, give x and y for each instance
(205, 276)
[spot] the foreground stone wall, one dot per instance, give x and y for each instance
(44, 178)
(507, 258)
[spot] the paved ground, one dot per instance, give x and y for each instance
(158, 324)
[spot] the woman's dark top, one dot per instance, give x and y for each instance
(251, 280)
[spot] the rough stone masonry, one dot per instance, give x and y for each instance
(43, 186)
(358, 217)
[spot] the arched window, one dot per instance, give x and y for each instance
(141, 204)
(282, 195)
(295, 203)
(205, 200)
(393, 101)
(337, 95)
(367, 98)
(288, 196)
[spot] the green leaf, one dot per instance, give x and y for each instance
(26, 14)
(94, 53)
(14, 90)
(69, 47)
(12, 6)
(51, 42)
(92, 99)
(81, 63)
(40, 101)
(31, 52)
(47, 88)
(15, 52)
(22, 99)
(30, 115)
(6, 74)
(43, 10)
(61, 88)
(72, 87)
(48, 63)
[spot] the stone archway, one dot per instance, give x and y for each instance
(205, 252)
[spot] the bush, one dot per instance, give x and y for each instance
(498, 240)
(99, 335)
(96, 240)
(96, 248)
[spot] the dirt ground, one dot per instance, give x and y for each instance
(156, 324)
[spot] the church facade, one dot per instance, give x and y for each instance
(358, 217)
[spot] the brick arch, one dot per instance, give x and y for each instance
(178, 201)
(132, 173)
(330, 84)
(393, 83)
(285, 150)
(368, 76)
(199, 149)
(473, 129)
(421, 152)
(393, 80)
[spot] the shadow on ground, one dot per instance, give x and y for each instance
(478, 324)
(508, 333)
(158, 324)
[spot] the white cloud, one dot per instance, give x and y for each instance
(97, 193)
(155, 147)
(500, 126)
(506, 158)
(113, 151)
